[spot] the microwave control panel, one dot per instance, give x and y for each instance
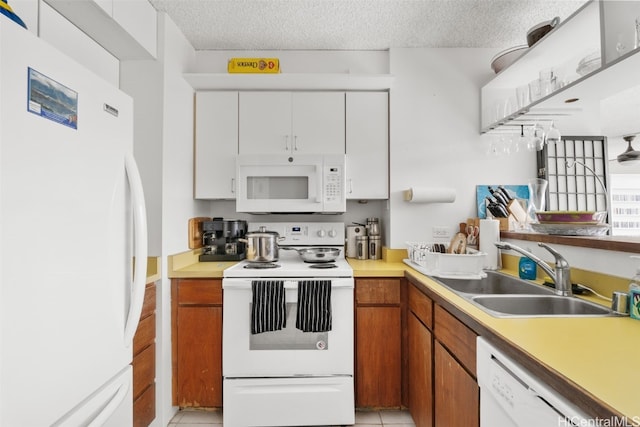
(333, 184)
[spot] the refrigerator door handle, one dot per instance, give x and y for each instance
(140, 243)
(101, 405)
(112, 405)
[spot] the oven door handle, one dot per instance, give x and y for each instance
(288, 284)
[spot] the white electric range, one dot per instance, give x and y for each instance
(287, 373)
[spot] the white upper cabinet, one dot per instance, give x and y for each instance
(126, 28)
(216, 145)
(593, 56)
(319, 122)
(66, 37)
(230, 122)
(292, 122)
(367, 145)
(264, 122)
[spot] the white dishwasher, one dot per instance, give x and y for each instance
(511, 397)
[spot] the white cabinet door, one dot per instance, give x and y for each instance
(292, 122)
(216, 144)
(125, 28)
(139, 19)
(264, 122)
(367, 145)
(318, 122)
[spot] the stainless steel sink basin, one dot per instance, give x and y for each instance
(502, 295)
(538, 306)
(494, 283)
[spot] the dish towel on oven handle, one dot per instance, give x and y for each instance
(268, 308)
(314, 306)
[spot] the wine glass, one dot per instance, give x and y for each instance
(553, 134)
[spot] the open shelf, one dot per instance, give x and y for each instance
(591, 29)
(291, 81)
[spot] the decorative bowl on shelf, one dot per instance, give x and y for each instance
(505, 58)
(589, 63)
(571, 217)
(569, 229)
(540, 30)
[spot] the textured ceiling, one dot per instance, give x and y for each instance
(359, 24)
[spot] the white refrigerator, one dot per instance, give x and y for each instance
(72, 222)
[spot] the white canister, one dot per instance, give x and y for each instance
(353, 231)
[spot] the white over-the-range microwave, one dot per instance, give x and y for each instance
(290, 183)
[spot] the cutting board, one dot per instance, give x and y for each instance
(195, 231)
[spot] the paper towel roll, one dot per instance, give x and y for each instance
(430, 195)
(489, 234)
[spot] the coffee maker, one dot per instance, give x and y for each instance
(220, 240)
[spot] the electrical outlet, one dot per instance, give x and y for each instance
(441, 232)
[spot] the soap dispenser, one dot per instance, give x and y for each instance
(527, 268)
(634, 293)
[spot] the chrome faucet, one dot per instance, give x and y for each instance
(561, 275)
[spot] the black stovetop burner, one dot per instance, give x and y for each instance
(323, 265)
(261, 265)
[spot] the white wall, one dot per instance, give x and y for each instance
(435, 139)
(178, 205)
(164, 150)
(142, 80)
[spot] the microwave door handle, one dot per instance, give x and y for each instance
(319, 187)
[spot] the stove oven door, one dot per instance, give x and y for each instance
(287, 352)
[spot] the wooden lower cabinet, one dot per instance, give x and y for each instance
(456, 390)
(457, 395)
(197, 342)
(443, 390)
(378, 336)
(420, 372)
(144, 362)
(420, 358)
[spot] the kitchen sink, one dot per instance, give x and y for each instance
(538, 306)
(502, 295)
(494, 283)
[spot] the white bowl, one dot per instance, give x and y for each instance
(507, 57)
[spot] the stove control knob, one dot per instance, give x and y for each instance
(321, 233)
(333, 233)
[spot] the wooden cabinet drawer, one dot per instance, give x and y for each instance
(200, 291)
(144, 407)
(377, 291)
(457, 337)
(421, 305)
(144, 370)
(149, 303)
(145, 334)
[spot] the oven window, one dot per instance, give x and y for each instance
(289, 338)
(278, 187)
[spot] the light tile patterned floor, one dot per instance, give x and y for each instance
(204, 418)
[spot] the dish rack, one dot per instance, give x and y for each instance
(429, 259)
